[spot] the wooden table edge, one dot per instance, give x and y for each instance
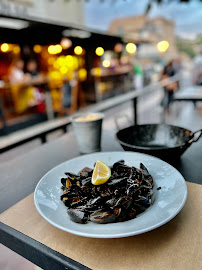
(35, 251)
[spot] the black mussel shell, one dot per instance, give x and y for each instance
(72, 176)
(117, 164)
(86, 172)
(142, 167)
(127, 193)
(77, 216)
(111, 202)
(94, 203)
(131, 213)
(102, 217)
(105, 191)
(124, 201)
(118, 181)
(86, 182)
(78, 201)
(63, 181)
(123, 170)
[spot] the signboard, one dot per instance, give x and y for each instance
(23, 2)
(8, 8)
(61, 11)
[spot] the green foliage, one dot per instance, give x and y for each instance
(186, 47)
(199, 40)
(189, 51)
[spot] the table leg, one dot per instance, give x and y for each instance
(43, 138)
(49, 107)
(135, 110)
(2, 116)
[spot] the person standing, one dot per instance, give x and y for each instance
(138, 76)
(170, 88)
(197, 69)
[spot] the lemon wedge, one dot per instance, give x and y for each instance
(101, 173)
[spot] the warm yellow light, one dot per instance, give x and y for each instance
(81, 61)
(63, 70)
(131, 48)
(106, 63)
(162, 46)
(118, 48)
(69, 61)
(58, 48)
(51, 60)
(51, 49)
(75, 62)
(61, 60)
(16, 49)
(82, 73)
(55, 49)
(56, 65)
(97, 71)
(55, 75)
(99, 51)
(78, 50)
(102, 87)
(4, 47)
(37, 48)
(65, 43)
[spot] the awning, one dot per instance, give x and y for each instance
(46, 33)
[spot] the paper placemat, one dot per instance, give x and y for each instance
(175, 245)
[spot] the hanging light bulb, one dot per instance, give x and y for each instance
(99, 51)
(55, 49)
(4, 47)
(78, 50)
(65, 43)
(37, 48)
(131, 48)
(106, 63)
(118, 48)
(162, 46)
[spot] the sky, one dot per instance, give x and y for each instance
(187, 17)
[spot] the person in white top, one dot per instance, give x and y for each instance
(197, 70)
(16, 72)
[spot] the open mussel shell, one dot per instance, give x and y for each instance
(102, 217)
(94, 203)
(63, 181)
(127, 193)
(117, 164)
(118, 181)
(143, 167)
(86, 172)
(77, 216)
(86, 182)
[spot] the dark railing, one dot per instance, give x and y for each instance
(41, 130)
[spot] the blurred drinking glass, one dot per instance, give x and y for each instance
(88, 131)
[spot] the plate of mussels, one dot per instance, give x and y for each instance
(135, 193)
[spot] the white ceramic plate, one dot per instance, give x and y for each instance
(169, 199)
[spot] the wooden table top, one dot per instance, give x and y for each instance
(175, 245)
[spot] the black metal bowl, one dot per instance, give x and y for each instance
(165, 141)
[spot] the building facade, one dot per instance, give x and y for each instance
(59, 11)
(147, 31)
